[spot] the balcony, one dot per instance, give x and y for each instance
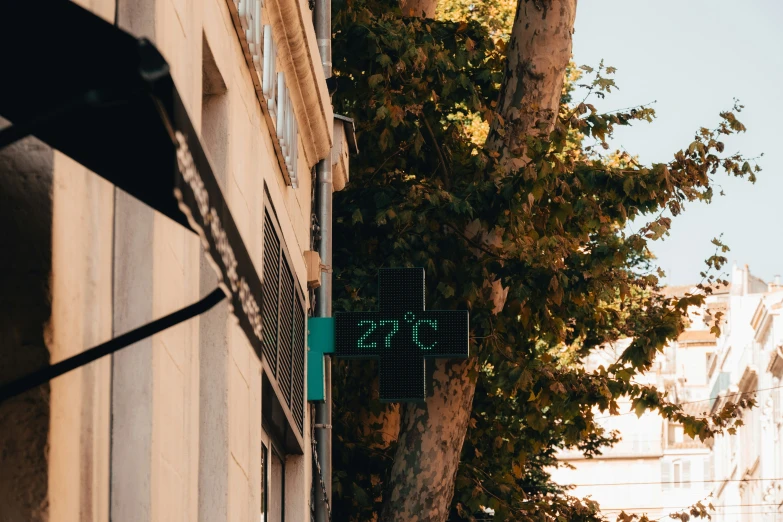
(282, 56)
(686, 443)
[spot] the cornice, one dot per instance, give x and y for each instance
(300, 61)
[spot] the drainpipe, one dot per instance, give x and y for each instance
(323, 411)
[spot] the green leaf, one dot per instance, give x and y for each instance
(446, 290)
(385, 140)
(628, 185)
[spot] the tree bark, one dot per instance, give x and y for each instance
(425, 465)
(421, 485)
(538, 54)
(420, 8)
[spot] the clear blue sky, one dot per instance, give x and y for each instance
(694, 57)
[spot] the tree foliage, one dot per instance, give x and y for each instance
(548, 223)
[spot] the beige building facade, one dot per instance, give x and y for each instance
(193, 423)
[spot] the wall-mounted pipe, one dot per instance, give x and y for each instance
(323, 411)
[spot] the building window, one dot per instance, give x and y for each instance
(214, 113)
(272, 481)
(283, 319)
(677, 466)
(666, 474)
(676, 473)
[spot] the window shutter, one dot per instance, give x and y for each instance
(707, 470)
(297, 371)
(666, 474)
(686, 473)
(270, 289)
(286, 330)
(283, 316)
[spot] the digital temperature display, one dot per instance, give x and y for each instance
(402, 335)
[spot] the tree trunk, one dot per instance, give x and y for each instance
(422, 476)
(421, 8)
(538, 54)
(421, 485)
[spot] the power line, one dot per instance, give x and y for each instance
(688, 508)
(682, 508)
(661, 483)
(679, 508)
(746, 513)
(700, 400)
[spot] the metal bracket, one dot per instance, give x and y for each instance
(48, 373)
(320, 342)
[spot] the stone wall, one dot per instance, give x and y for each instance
(25, 266)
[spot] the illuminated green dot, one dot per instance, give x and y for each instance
(429, 322)
(361, 343)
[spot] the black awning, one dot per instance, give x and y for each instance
(107, 100)
(92, 92)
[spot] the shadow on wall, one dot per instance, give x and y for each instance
(25, 307)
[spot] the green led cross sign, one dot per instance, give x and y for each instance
(402, 335)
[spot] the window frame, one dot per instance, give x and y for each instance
(272, 447)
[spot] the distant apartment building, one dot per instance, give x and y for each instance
(748, 362)
(656, 469)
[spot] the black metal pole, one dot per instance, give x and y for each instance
(48, 373)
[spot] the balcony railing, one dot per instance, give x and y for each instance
(686, 443)
(263, 64)
(623, 449)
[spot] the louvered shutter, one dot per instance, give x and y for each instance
(283, 316)
(270, 290)
(297, 370)
(707, 470)
(286, 331)
(666, 474)
(686, 473)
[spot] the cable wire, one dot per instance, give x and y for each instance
(661, 483)
(682, 508)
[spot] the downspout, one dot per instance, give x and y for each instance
(323, 411)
